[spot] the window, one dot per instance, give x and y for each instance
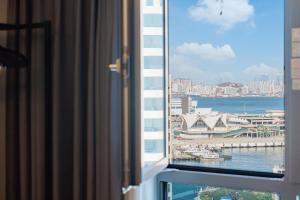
(227, 78)
(231, 100)
(153, 110)
(153, 20)
(153, 62)
(153, 41)
(154, 104)
(149, 2)
(204, 86)
(153, 125)
(154, 146)
(187, 191)
(154, 83)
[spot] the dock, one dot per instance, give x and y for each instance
(180, 146)
(241, 142)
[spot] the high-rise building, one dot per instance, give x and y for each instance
(153, 81)
(182, 86)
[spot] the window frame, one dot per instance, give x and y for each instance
(287, 190)
(288, 185)
(150, 171)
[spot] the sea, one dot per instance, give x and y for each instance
(252, 105)
(261, 159)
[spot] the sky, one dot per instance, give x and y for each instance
(215, 41)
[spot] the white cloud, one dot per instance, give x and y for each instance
(233, 12)
(183, 66)
(206, 51)
(262, 71)
(190, 60)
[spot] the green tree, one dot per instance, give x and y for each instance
(234, 194)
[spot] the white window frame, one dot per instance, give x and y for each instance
(152, 170)
(131, 70)
(289, 185)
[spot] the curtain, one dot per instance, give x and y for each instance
(80, 158)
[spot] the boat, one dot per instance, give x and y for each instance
(211, 156)
(279, 169)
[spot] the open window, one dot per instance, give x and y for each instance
(227, 80)
(145, 90)
(153, 86)
(216, 86)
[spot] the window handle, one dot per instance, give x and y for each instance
(115, 67)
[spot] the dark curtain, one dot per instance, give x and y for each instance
(80, 157)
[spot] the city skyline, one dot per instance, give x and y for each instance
(226, 89)
(200, 82)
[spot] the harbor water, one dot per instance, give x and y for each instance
(261, 159)
(253, 105)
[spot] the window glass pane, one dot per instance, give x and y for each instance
(153, 62)
(154, 104)
(153, 83)
(227, 105)
(153, 125)
(153, 41)
(153, 20)
(149, 2)
(154, 146)
(161, 2)
(199, 192)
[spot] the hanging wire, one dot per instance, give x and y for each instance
(221, 6)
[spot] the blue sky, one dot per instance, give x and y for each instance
(245, 43)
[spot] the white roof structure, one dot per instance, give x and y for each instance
(209, 120)
(190, 119)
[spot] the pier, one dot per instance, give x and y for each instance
(182, 147)
(240, 142)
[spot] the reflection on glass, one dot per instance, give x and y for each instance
(154, 104)
(154, 146)
(153, 20)
(153, 62)
(154, 83)
(149, 2)
(153, 41)
(154, 125)
(227, 105)
(153, 67)
(198, 192)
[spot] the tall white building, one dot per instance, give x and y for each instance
(153, 80)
